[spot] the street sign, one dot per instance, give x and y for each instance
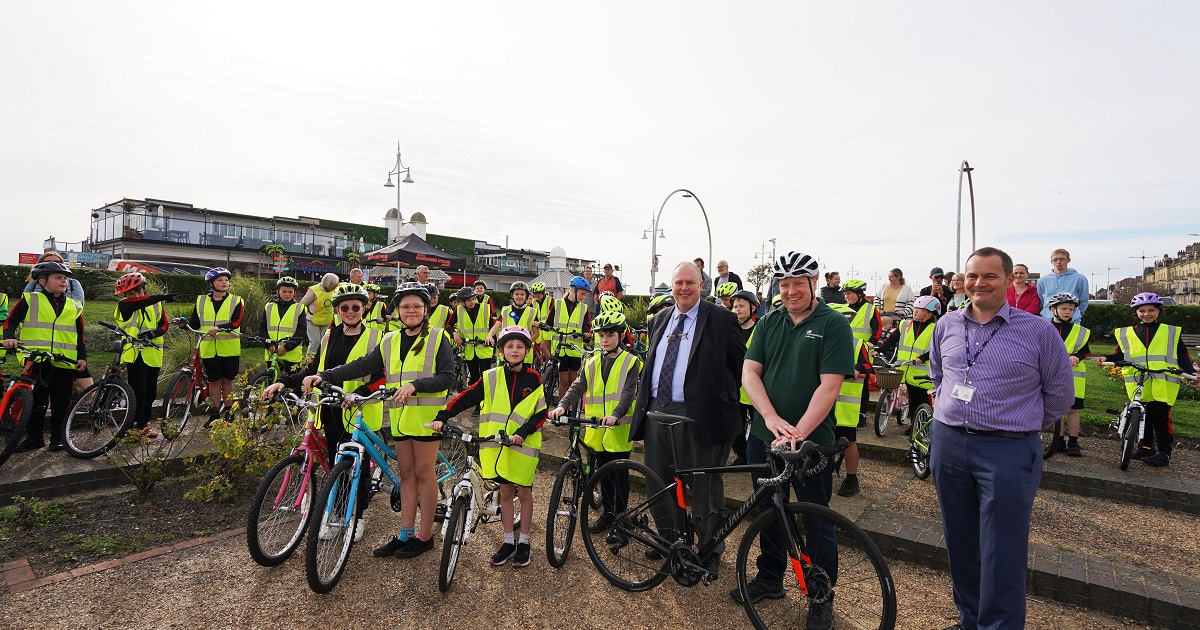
(90, 258)
(27, 259)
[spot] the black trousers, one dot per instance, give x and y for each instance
(144, 381)
(1158, 427)
(476, 368)
(53, 390)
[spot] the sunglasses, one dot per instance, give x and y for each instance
(349, 308)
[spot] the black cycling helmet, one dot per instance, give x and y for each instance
(47, 268)
(432, 290)
(745, 295)
(464, 294)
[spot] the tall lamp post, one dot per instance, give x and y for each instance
(396, 170)
(964, 168)
(656, 230)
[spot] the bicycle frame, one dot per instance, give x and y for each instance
(362, 442)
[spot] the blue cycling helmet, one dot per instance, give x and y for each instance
(216, 272)
(579, 283)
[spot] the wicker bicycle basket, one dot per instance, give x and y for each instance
(888, 378)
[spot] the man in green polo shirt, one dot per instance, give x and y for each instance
(801, 353)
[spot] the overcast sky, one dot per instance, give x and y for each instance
(836, 128)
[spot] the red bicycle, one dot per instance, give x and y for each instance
(187, 390)
(16, 408)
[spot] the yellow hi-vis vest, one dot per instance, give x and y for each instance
(601, 399)
(1161, 354)
(525, 321)
(477, 329)
(437, 316)
(849, 401)
(515, 463)
(321, 310)
(143, 320)
(3, 305)
(543, 312)
(45, 331)
(860, 324)
(283, 327)
(398, 370)
(912, 347)
(225, 344)
(743, 397)
(372, 412)
(567, 322)
(1075, 341)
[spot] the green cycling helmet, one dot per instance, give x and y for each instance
(611, 304)
(659, 302)
(856, 285)
(347, 291)
(609, 320)
(287, 281)
(777, 300)
(726, 289)
(538, 287)
(843, 309)
(374, 288)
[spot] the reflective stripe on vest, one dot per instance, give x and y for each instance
(601, 400)
(525, 321)
(373, 411)
(567, 322)
(144, 319)
(543, 312)
(515, 463)
(849, 401)
(373, 313)
(860, 324)
(283, 328)
(1075, 341)
(4, 305)
(477, 330)
(224, 344)
(421, 407)
(1160, 355)
(910, 349)
(49, 332)
(437, 318)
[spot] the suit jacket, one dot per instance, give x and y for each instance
(712, 379)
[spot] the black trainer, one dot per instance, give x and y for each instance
(390, 547)
(820, 616)
(415, 547)
(1158, 459)
(504, 554)
(29, 445)
(55, 445)
(521, 557)
(849, 486)
(604, 522)
(1073, 448)
(758, 590)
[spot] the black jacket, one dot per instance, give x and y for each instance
(712, 379)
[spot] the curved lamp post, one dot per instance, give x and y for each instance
(654, 229)
(964, 168)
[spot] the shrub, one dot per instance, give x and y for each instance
(31, 512)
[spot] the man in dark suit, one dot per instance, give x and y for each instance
(693, 369)
(725, 275)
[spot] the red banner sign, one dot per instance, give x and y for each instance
(27, 259)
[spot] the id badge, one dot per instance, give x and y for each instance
(963, 392)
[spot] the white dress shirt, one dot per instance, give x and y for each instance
(685, 350)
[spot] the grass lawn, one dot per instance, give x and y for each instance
(1103, 392)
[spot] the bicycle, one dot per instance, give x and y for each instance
(551, 365)
(248, 403)
(16, 407)
(893, 396)
(919, 439)
(474, 500)
(187, 389)
(462, 376)
(573, 475)
(829, 555)
(1130, 424)
(103, 413)
(325, 555)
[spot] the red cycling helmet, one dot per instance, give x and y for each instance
(129, 281)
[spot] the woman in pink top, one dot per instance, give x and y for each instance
(1021, 295)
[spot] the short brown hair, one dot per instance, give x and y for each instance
(1005, 259)
(1061, 251)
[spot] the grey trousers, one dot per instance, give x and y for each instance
(708, 491)
(315, 333)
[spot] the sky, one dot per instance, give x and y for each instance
(836, 128)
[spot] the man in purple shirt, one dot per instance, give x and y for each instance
(1001, 374)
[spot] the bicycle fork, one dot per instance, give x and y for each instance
(796, 555)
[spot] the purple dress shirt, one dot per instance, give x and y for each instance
(1020, 371)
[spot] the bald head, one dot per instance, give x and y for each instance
(685, 285)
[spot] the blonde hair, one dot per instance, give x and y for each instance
(329, 281)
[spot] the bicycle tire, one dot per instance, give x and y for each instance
(563, 513)
(918, 441)
(550, 383)
(91, 433)
(14, 419)
(1048, 434)
(452, 542)
(1129, 439)
(636, 529)
(883, 411)
(272, 539)
(325, 560)
(596, 497)
(862, 590)
(177, 405)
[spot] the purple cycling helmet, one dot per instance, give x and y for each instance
(1143, 299)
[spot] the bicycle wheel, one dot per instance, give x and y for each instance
(1129, 439)
(595, 496)
(14, 419)
(452, 542)
(101, 414)
(838, 565)
(883, 410)
(280, 512)
(177, 405)
(550, 381)
(1048, 434)
(918, 442)
(326, 553)
(563, 513)
(631, 554)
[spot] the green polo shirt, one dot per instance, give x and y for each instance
(794, 356)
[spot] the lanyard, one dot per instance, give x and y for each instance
(967, 335)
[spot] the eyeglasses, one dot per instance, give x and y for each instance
(349, 308)
(411, 307)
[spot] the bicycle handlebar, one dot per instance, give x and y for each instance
(183, 323)
(579, 421)
(130, 339)
(43, 355)
(1141, 367)
(453, 431)
(562, 333)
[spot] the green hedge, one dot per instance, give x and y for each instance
(1103, 319)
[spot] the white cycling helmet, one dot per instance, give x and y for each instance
(795, 265)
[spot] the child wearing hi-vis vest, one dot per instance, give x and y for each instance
(219, 315)
(1062, 307)
(144, 317)
(607, 384)
(513, 402)
(284, 323)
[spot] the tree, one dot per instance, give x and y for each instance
(758, 275)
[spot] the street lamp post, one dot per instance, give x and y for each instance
(656, 230)
(396, 170)
(964, 168)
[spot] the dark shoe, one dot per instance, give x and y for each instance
(56, 445)
(29, 445)
(862, 420)
(758, 590)
(1157, 460)
(1143, 452)
(604, 522)
(1058, 444)
(504, 554)
(849, 486)
(390, 547)
(415, 547)
(521, 558)
(1073, 448)
(820, 616)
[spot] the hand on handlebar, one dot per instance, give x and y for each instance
(310, 382)
(10, 344)
(489, 341)
(608, 421)
(435, 426)
(783, 431)
(271, 390)
(213, 332)
(516, 439)
(457, 339)
(555, 413)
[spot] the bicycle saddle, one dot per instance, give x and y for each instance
(667, 419)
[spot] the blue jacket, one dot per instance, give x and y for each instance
(1071, 282)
